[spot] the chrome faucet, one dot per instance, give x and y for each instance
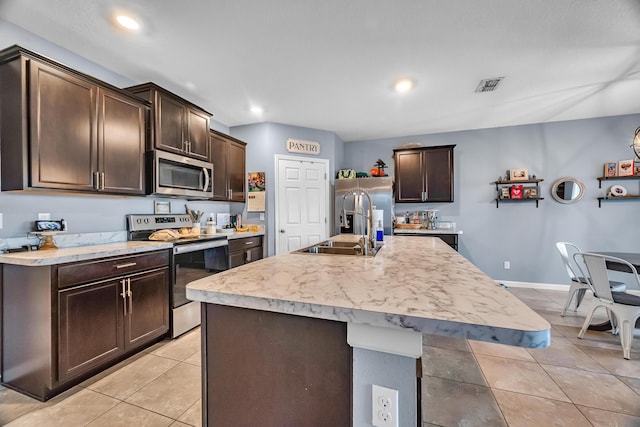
(367, 243)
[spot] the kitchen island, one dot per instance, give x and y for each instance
(299, 339)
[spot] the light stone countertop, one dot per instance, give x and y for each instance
(80, 253)
(418, 284)
(425, 231)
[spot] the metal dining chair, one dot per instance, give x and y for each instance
(623, 308)
(579, 284)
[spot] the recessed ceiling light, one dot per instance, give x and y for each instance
(128, 22)
(403, 85)
(257, 110)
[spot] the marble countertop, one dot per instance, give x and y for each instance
(425, 231)
(89, 251)
(80, 253)
(417, 284)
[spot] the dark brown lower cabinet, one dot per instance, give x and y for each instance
(97, 323)
(245, 250)
(273, 369)
(63, 323)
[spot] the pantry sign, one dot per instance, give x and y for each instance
(302, 146)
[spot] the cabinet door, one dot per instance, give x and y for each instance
(170, 124)
(89, 327)
(236, 259)
(147, 307)
(198, 125)
(438, 169)
(253, 254)
(121, 143)
(236, 170)
(219, 160)
(63, 129)
(409, 176)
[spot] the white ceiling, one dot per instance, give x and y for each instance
(330, 64)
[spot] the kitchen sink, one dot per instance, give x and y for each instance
(329, 247)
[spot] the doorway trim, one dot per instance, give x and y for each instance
(328, 204)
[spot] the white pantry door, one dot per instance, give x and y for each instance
(302, 202)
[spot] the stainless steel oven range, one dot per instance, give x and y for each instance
(192, 258)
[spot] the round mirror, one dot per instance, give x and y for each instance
(636, 143)
(567, 190)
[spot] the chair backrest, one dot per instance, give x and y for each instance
(567, 250)
(598, 274)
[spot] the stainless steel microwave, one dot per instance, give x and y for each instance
(174, 175)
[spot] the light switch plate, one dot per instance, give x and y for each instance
(0, 221)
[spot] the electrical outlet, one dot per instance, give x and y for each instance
(44, 216)
(384, 406)
(507, 265)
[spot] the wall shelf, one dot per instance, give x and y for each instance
(617, 178)
(608, 199)
(505, 183)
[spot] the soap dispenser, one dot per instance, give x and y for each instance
(379, 232)
(211, 225)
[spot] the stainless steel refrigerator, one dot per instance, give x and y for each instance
(356, 207)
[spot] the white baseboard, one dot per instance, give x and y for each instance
(532, 285)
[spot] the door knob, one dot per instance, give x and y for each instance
(282, 230)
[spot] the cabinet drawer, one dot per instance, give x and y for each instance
(245, 243)
(82, 272)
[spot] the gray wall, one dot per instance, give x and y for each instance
(520, 233)
(264, 141)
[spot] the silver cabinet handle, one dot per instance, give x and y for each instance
(124, 296)
(248, 256)
(101, 180)
(130, 297)
(96, 180)
(125, 265)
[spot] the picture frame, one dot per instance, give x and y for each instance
(504, 193)
(636, 168)
(625, 168)
(516, 191)
(610, 169)
(518, 175)
(530, 193)
(161, 207)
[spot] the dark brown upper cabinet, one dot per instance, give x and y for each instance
(228, 156)
(63, 130)
(176, 124)
(424, 174)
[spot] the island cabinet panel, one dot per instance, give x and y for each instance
(63, 323)
(272, 369)
(68, 130)
(424, 174)
(228, 156)
(177, 125)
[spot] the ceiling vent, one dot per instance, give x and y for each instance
(489, 85)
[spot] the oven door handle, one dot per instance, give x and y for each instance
(192, 247)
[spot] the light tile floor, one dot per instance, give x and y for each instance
(466, 383)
